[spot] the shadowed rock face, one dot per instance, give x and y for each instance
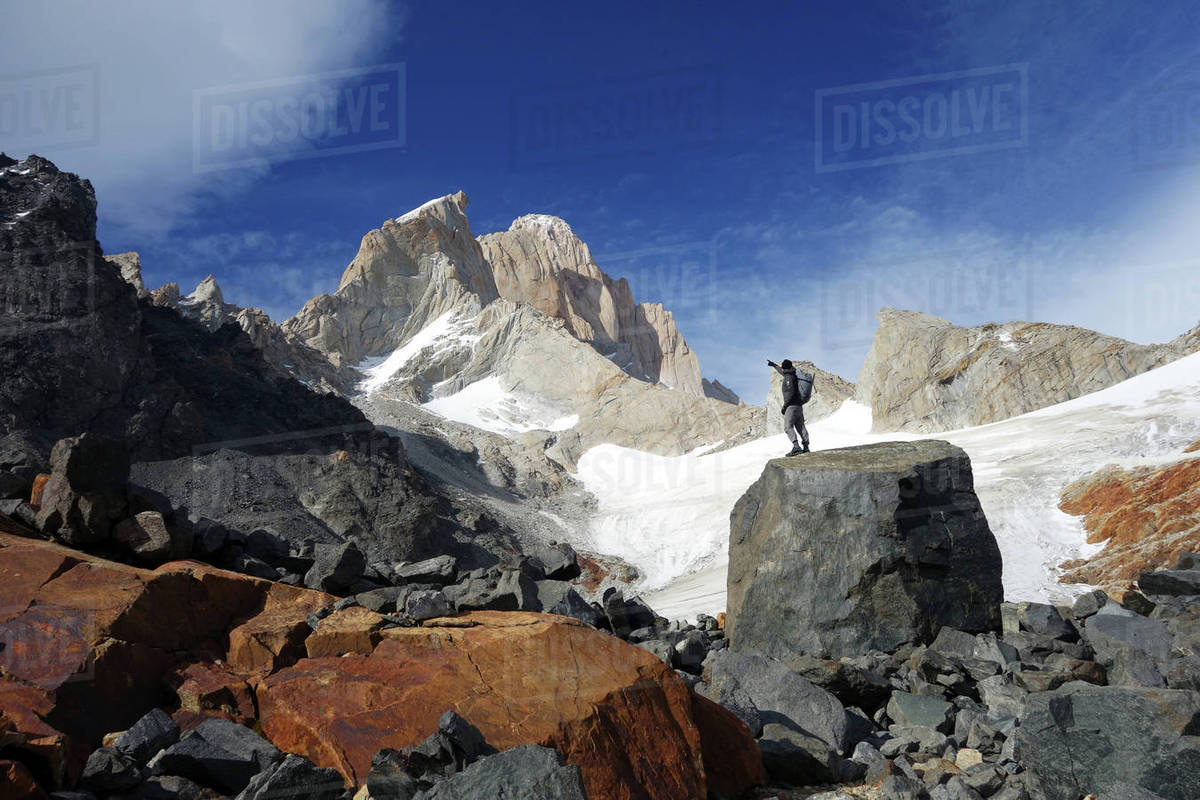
(842, 551)
(1146, 516)
(79, 352)
(925, 374)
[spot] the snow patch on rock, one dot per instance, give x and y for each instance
(485, 404)
(448, 330)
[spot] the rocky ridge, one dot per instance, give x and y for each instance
(925, 374)
(81, 352)
(281, 350)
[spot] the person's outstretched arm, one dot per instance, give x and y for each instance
(778, 368)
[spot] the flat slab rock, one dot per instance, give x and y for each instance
(861, 548)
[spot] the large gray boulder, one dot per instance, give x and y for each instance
(1113, 741)
(839, 552)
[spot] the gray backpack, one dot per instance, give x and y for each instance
(804, 386)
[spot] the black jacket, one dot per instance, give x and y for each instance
(791, 389)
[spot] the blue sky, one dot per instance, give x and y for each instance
(680, 141)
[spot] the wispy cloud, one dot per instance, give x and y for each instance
(148, 58)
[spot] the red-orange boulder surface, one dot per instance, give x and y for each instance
(99, 637)
(91, 645)
(1147, 516)
(615, 710)
(213, 690)
(26, 736)
(351, 630)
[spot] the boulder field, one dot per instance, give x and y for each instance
(90, 646)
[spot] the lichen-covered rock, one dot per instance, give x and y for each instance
(838, 552)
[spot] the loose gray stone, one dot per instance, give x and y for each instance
(153, 732)
(782, 696)
(294, 778)
(911, 710)
(427, 604)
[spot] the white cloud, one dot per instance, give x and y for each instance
(149, 57)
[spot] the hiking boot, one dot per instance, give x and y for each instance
(795, 451)
(804, 449)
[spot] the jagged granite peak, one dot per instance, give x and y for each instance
(130, 265)
(407, 273)
(166, 295)
(926, 374)
(540, 261)
(829, 392)
(207, 291)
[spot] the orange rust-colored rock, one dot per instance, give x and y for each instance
(99, 637)
(17, 783)
(274, 637)
(615, 710)
(1194, 447)
(729, 765)
(721, 620)
(214, 690)
(351, 630)
(1146, 516)
(39, 485)
(25, 734)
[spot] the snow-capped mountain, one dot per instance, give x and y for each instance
(513, 332)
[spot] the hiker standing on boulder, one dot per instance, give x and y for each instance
(797, 389)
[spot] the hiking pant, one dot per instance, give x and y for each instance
(793, 420)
